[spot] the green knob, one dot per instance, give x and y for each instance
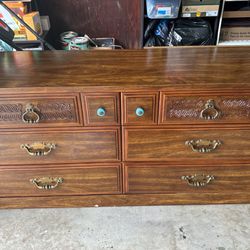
(139, 111)
(101, 112)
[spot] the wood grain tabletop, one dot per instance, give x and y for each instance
(163, 67)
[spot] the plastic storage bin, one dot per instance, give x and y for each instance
(163, 8)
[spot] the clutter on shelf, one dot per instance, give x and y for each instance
(32, 18)
(179, 32)
(71, 40)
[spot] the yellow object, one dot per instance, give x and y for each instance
(33, 20)
(198, 14)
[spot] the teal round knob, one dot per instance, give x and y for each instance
(139, 111)
(101, 112)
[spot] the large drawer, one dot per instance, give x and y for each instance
(205, 109)
(73, 146)
(39, 111)
(149, 178)
(152, 144)
(66, 180)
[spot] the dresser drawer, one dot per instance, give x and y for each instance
(81, 180)
(205, 109)
(152, 144)
(140, 108)
(101, 109)
(146, 178)
(40, 111)
(59, 147)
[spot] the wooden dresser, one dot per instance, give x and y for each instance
(114, 128)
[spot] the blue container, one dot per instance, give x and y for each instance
(163, 9)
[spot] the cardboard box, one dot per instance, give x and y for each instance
(14, 24)
(200, 8)
(236, 14)
(33, 20)
(235, 33)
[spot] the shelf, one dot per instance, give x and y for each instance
(236, 14)
(236, 0)
(235, 43)
(23, 1)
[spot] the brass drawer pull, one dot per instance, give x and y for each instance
(30, 115)
(38, 148)
(210, 112)
(198, 180)
(203, 146)
(47, 182)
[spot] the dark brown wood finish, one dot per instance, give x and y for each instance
(188, 108)
(157, 144)
(81, 180)
(125, 200)
(145, 160)
(147, 102)
(173, 69)
(120, 19)
(151, 178)
(52, 111)
(110, 102)
(72, 146)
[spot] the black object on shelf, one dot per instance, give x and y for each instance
(180, 32)
(193, 31)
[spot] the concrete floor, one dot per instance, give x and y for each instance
(127, 228)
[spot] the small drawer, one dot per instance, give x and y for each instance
(101, 109)
(145, 178)
(205, 109)
(53, 147)
(71, 180)
(40, 111)
(140, 108)
(189, 144)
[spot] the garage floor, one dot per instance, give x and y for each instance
(131, 228)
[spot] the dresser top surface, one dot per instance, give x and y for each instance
(163, 67)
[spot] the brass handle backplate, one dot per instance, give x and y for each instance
(198, 180)
(38, 148)
(47, 182)
(210, 112)
(30, 115)
(203, 145)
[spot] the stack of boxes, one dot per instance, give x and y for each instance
(200, 8)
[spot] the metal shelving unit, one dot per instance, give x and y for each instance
(222, 16)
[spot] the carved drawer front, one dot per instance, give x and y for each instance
(36, 111)
(81, 180)
(101, 109)
(59, 147)
(206, 109)
(186, 145)
(145, 178)
(140, 108)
